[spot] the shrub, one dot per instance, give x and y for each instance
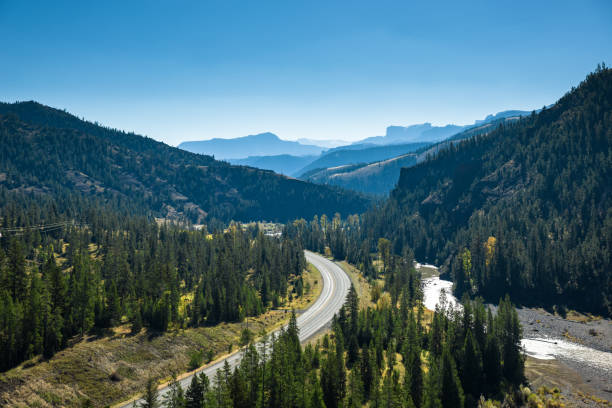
(195, 359)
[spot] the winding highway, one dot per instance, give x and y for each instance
(336, 285)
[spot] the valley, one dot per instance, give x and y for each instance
(305, 205)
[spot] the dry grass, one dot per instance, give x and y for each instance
(428, 271)
(553, 374)
(581, 317)
(311, 279)
(362, 287)
(361, 284)
(85, 370)
(588, 398)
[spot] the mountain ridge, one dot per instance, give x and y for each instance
(51, 152)
(282, 164)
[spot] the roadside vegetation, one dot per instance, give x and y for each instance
(107, 369)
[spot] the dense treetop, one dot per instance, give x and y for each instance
(55, 286)
(388, 356)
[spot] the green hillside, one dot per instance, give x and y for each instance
(48, 151)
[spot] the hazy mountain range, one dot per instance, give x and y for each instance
(301, 158)
(379, 176)
(414, 134)
(283, 163)
(327, 143)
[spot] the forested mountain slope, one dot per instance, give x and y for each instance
(44, 150)
(377, 178)
(282, 164)
(525, 209)
(359, 154)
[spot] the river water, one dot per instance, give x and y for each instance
(540, 347)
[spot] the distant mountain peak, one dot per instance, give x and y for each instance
(261, 144)
(426, 125)
(265, 135)
(417, 133)
(501, 115)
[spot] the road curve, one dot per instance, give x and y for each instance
(336, 285)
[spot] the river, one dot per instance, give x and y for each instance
(535, 343)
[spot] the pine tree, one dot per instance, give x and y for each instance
(333, 381)
(471, 369)
(150, 397)
(113, 306)
(81, 296)
(137, 320)
(436, 334)
(431, 394)
(194, 396)
(10, 327)
(451, 393)
(355, 392)
(221, 390)
(16, 270)
(492, 365)
(175, 398)
(54, 323)
(316, 393)
(367, 371)
(56, 283)
(35, 313)
(413, 378)
(510, 331)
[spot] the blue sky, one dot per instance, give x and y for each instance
(182, 70)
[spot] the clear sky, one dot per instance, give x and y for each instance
(178, 70)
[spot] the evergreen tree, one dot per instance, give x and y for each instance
(355, 392)
(471, 370)
(150, 397)
(451, 392)
(316, 393)
(175, 398)
(16, 278)
(492, 365)
(413, 378)
(194, 396)
(431, 394)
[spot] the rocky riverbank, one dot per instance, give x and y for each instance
(595, 333)
(579, 343)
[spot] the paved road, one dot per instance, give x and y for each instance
(336, 285)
